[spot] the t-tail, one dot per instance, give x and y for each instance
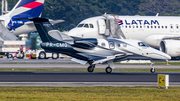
(47, 32)
(24, 9)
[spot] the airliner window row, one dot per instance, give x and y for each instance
(147, 27)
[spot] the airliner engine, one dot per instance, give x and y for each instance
(170, 47)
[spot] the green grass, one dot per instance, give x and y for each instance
(96, 70)
(89, 94)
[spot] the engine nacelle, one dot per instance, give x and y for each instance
(170, 47)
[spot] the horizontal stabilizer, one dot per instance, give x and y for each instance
(6, 35)
(53, 22)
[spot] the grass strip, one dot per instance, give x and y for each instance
(96, 70)
(89, 94)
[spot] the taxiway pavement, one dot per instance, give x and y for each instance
(76, 79)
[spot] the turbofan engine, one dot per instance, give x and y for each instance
(170, 47)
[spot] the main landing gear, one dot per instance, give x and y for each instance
(152, 70)
(90, 69)
(108, 69)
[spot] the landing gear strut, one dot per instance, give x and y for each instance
(90, 69)
(152, 68)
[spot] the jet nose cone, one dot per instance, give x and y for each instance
(168, 57)
(156, 54)
(164, 56)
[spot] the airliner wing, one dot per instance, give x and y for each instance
(177, 37)
(53, 22)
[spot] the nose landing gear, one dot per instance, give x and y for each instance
(152, 70)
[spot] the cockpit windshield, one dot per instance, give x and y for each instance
(80, 25)
(85, 25)
(142, 44)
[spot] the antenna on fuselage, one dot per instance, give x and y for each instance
(157, 14)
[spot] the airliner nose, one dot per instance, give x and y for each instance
(73, 32)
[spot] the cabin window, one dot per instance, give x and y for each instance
(147, 26)
(91, 25)
(140, 26)
(86, 25)
(80, 25)
(171, 27)
(119, 45)
(166, 27)
(151, 26)
(129, 26)
(126, 26)
(133, 26)
(124, 45)
(177, 27)
(158, 26)
(142, 44)
(111, 45)
(154, 26)
(162, 26)
(136, 26)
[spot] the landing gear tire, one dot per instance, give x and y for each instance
(108, 70)
(152, 70)
(55, 56)
(42, 55)
(90, 69)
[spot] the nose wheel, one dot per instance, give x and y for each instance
(152, 68)
(108, 70)
(90, 69)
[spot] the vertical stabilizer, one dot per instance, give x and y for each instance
(24, 9)
(47, 32)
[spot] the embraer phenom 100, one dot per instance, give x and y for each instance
(94, 51)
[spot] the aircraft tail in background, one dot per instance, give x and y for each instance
(24, 9)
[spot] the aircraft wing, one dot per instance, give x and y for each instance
(104, 60)
(109, 58)
(53, 22)
(177, 38)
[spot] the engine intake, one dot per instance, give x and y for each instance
(170, 47)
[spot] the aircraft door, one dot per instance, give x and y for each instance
(101, 26)
(171, 28)
(177, 28)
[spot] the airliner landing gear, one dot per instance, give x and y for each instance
(108, 70)
(90, 69)
(152, 68)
